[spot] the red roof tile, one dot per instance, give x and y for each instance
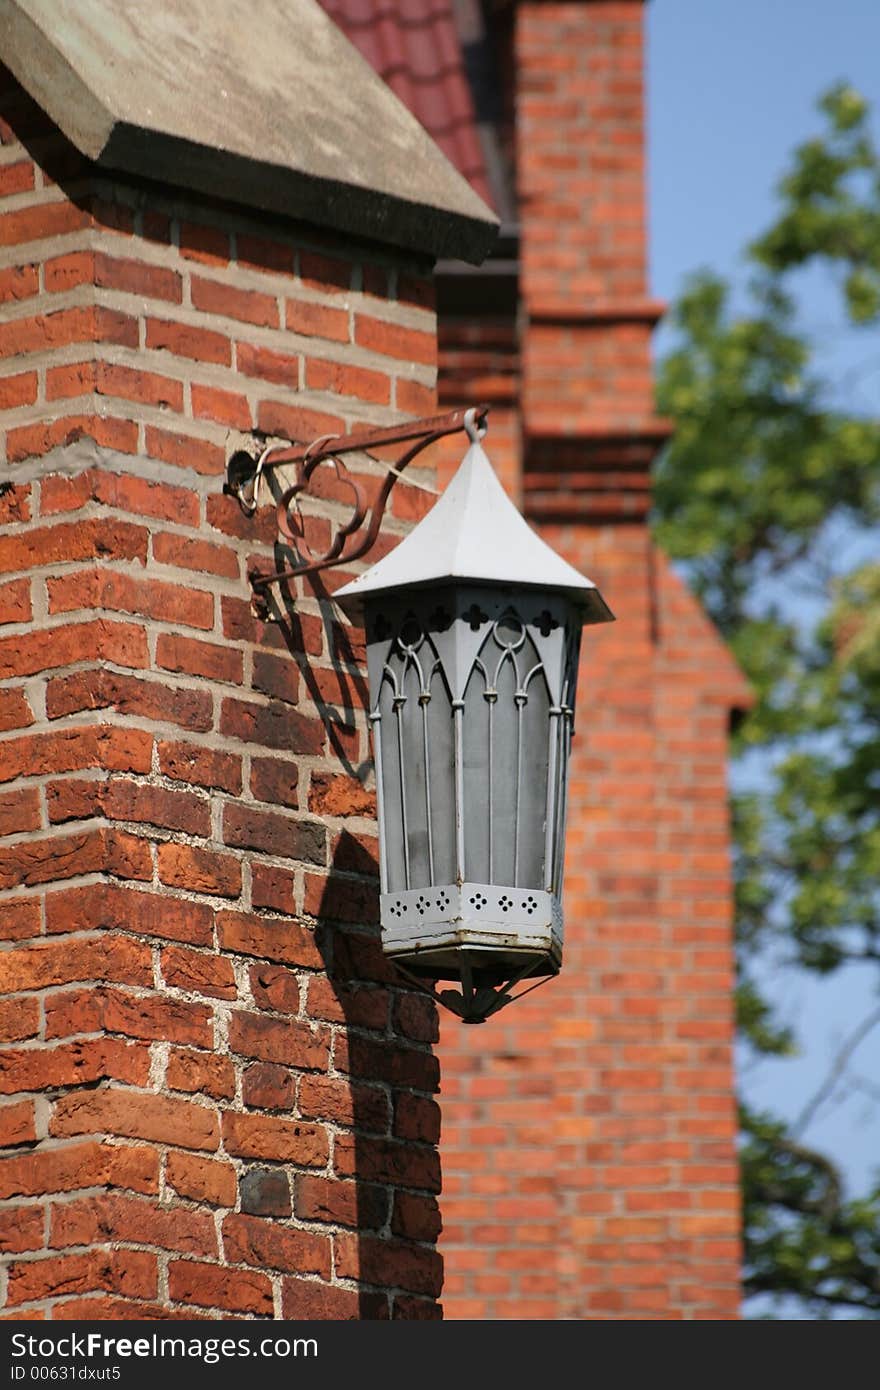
(414, 47)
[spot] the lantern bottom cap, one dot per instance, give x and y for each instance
(501, 930)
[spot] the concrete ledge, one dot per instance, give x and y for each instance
(271, 107)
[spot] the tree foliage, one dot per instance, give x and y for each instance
(767, 494)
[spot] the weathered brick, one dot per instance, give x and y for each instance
(114, 1218)
(19, 1018)
(199, 971)
(207, 1072)
(132, 1272)
(151, 598)
(274, 725)
(275, 780)
(281, 1141)
(150, 914)
(279, 1040)
(79, 1063)
(198, 658)
(268, 1087)
(201, 1179)
(276, 939)
(137, 1115)
(356, 1204)
(388, 1262)
(204, 767)
(265, 1192)
(199, 870)
(21, 1228)
(17, 1124)
(248, 1240)
(215, 1286)
(79, 1165)
(273, 833)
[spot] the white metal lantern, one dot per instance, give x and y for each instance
(473, 631)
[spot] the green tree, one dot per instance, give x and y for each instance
(767, 485)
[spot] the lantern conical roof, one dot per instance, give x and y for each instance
(474, 533)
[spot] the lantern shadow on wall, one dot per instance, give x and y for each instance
(473, 627)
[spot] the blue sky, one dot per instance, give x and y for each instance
(732, 88)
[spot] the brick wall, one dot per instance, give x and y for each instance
(216, 1101)
(606, 1100)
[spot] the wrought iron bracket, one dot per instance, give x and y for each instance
(357, 536)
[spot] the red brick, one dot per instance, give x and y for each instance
(189, 762)
(197, 344)
(199, 870)
(277, 676)
(280, 1141)
(73, 1064)
(213, 1286)
(21, 1228)
(185, 451)
(169, 603)
(71, 750)
(103, 957)
(415, 1216)
(275, 780)
(15, 601)
(416, 1118)
(264, 254)
(273, 888)
(274, 725)
(99, 905)
(275, 988)
(273, 833)
(65, 327)
(17, 1124)
(198, 242)
(18, 282)
(279, 367)
(114, 1218)
(324, 272)
(344, 380)
(277, 939)
(137, 277)
(149, 1017)
(225, 407)
(197, 658)
(336, 795)
(268, 1087)
(216, 297)
(389, 1262)
(36, 223)
(205, 1072)
(202, 1179)
(392, 340)
(348, 1103)
(88, 539)
(199, 971)
(279, 1040)
(15, 712)
(20, 811)
(18, 390)
(296, 423)
(82, 1165)
(19, 1018)
(132, 1272)
(308, 1299)
(250, 1240)
(136, 1115)
(172, 810)
(386, 1161)
(340, 1203)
